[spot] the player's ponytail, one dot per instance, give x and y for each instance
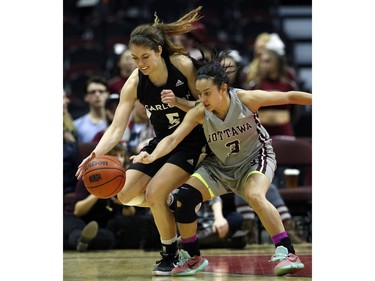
(158, 33)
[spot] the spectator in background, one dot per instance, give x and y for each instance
(70, 132)
(272, 76)
(251, 71)
(111, 105)
(124, 66)
(95, 120)
(70, 149)
(219, 224)
(264, 40)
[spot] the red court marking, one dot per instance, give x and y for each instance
(253, 265)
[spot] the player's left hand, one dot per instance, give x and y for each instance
(168, 97)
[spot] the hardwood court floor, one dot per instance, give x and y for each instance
(251, 263)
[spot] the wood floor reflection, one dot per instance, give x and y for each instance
(251, 263)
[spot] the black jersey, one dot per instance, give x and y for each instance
(164, 118)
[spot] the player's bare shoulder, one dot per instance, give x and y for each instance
(243, 95)
(130, 87)
(182, 63)
(249, 98)
(133, 78)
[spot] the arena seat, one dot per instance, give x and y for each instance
(294, 152)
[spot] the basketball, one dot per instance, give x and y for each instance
(104, 176)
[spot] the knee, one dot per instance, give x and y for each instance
(256, 200)
(187, 200)
(155, 196)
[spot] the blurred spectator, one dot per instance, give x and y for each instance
(276, 119)
(272, 75)
(70, 150)
(110, 106)
(251, 71)
(70, 132)
(124, 67)
(94, 121)
(264, 40)
(219, 224)
(272, 72)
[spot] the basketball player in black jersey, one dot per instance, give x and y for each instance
(164, 82)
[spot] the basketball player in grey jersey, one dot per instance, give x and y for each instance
(242, 161)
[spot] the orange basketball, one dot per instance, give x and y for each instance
(104, 176)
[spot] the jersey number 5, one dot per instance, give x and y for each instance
(174, 119)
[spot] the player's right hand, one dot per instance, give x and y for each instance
(82, 166)
(142, 157)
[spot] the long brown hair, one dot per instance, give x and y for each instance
(158, 33)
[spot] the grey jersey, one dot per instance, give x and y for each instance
(239, 137)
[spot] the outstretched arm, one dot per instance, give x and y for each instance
(167, 144)
(258, 98)
(117, 128)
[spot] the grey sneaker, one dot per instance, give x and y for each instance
(88, 233)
